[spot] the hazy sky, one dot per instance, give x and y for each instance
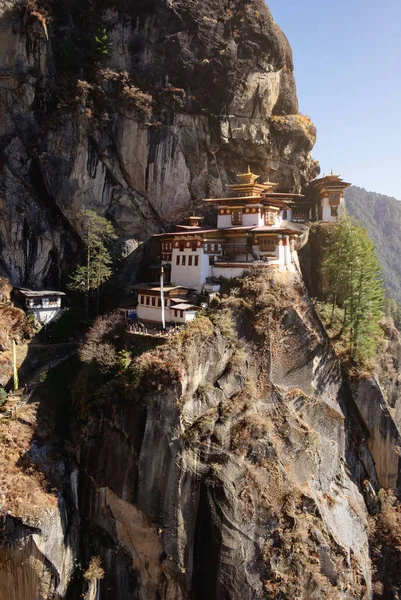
(347, 58)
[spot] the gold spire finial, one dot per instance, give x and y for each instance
(249, 169)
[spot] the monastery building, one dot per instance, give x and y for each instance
(257, 228)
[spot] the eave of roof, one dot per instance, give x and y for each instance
(37, 293)
(148, 287)
(184, 306)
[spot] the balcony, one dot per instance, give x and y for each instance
(232, 249)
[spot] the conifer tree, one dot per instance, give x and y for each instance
(98, 232)
(353, 276)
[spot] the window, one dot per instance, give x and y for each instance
(267, 244)
(153, 301)
(194, 246)
(236, 216)
(270, 217)
(182, 246)
(183, 260)
(147, 300)
(175, 314)
(196, 261)
(177, 262)
(334, 211)
(190, 261)
(300, 215)
(181, 314)
(142, 299)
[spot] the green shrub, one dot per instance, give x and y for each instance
(3, 396)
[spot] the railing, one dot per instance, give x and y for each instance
(236, 249)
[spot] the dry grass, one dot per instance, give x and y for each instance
(385, 544)
(23, 488)
(94, 570)
(286, 125)
(250, 428)
(119, 84)
(5, 289)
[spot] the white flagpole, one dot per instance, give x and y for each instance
(162, 297)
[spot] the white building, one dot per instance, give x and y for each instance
(250, 233)
(256, 229)
(46, 305)
(177, 307)
(323, 201)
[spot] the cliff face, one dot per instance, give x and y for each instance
(230, 471)
(231, 461)
(137, 110)
(227, 463)
(13, 326)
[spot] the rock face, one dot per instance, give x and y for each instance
(229, 462)
(13, 326)
(230, 471)
(177, 98)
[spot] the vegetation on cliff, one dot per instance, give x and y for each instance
(381, 216)
(354, 289)
(97, 235)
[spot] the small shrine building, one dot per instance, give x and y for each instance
(46, 305)
(323, 201)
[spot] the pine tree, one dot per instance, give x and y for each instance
(353, 275)
(98, 232)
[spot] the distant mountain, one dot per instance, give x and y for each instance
(381, 215)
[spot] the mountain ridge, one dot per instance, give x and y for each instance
(381, 215)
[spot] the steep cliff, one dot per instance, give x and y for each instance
(137, 110)
(228, 462)
(222, 465)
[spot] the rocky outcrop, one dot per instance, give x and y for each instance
(230, 461)
(13, 326)
(212, 469)
(383, 435)
(175, 100)
(39, 525)
(37, 561)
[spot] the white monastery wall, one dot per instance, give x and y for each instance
(252, 219)
(206, 269)
(228, 272)
(280, 254)
(151, 313)
(326, 211)
(154, 314)
(189, 274)
(223, 221)
(287, 252)
(45, 315)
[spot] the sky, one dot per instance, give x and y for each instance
(347, 57)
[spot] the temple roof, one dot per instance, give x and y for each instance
(273, 199)
(154, 287)
(247, 177)
(184, 306)
(284, 227)
(329, 181)
(38, 293)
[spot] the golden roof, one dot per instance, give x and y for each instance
(248, 177)
(270, 184)
(331, 181)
